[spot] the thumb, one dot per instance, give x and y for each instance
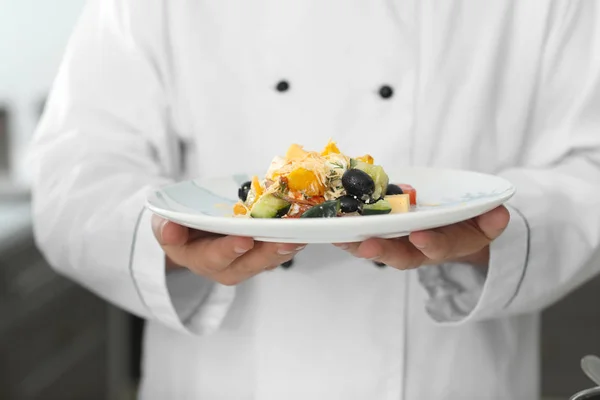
(169, 233)
(494, 222)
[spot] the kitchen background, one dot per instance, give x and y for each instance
(57, 340)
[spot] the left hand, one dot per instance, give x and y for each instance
(466, 241)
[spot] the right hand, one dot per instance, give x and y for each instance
(228, 260)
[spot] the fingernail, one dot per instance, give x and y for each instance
(284, 252)
(240, 250)
(419, 246)
(300, 248)
(344, 246)
(374, 258)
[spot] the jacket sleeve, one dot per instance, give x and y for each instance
(552, 242)
(102, 144)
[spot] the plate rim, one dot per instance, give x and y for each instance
(500, 198)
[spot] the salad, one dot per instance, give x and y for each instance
(326, 184)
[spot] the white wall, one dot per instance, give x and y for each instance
(33, 34)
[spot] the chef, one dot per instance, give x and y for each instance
(152, 92)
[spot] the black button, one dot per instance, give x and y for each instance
(282, 86)
(386, 91)
(379, 264)
(287, 264)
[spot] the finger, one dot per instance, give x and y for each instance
(461, 239)
(349, 247)
(398, 253)
(264, 256)
(182, 245)
(255, 262)
(435, 245)
(449, 242)
(493, 223)
(168, 233)
(211, 254)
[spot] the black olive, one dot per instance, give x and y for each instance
(393, 189)
(243, 190)
(349, 204)
(358, 183)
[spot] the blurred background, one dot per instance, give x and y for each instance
(57, 340)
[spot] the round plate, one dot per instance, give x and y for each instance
(444, 197)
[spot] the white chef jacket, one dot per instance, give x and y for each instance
(155, 91)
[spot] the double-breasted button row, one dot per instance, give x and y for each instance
(385, 91)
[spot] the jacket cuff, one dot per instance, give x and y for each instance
(460, 293)
(181, 300)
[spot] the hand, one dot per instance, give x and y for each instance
(228, 260)
(466, 241)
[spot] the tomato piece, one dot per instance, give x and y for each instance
(411, 191)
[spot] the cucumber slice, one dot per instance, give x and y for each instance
(378, 175)
(381, 207)
(269, 206)
(328, 209)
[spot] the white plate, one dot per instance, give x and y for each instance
(444, 197)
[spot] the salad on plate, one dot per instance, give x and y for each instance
(326, 184)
